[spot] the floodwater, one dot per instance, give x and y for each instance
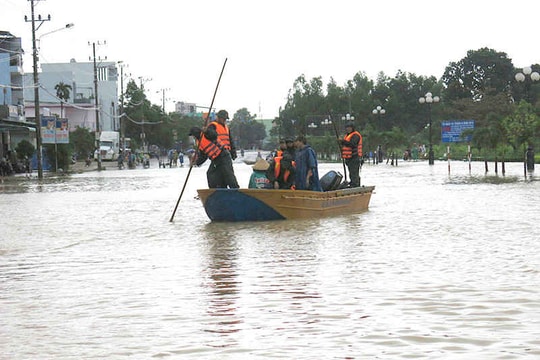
(442, 266)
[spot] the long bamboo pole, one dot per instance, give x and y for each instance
(195, 155)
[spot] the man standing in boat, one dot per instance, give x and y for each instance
(221, 131)
(307, 167)
(351, 152)
(289, 141)
(220, 173)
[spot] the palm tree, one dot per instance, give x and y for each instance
(62, 92)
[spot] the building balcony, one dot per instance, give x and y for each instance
(16, 70)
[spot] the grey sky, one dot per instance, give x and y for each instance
(181, 45)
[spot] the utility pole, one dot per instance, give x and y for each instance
(122, 130)
(96, 105)
(163, 98)
(36, 85)
(143, 135)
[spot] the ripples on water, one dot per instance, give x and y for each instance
(441, 266)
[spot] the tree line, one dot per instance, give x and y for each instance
(480, 87)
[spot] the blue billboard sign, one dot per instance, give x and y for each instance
(54, 130)
(452, 130)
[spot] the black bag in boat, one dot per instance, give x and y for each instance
(331, 180)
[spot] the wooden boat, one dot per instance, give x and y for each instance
(262, 204)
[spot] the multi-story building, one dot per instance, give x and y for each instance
(185, 108)
(80, 107)
(13, 124)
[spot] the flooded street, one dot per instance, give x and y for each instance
(441, 266)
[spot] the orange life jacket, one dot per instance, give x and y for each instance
(223, 136)
(277, 168)
(347, 152)
(210, 148)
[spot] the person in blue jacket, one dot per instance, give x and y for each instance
(307, 173)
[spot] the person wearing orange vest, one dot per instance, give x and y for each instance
(281, 172)
(351, 152)
(279, 151)
(219, 130)
(220, 173)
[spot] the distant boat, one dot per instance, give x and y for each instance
(250, 157)
(262, 204)
(250, 161)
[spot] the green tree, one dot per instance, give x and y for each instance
(521, 125)
(481, 72)
(247, 133)
(142, 119)
(25, 149)
(83, 142)
(63, 93)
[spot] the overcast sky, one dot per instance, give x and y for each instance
(182, 45)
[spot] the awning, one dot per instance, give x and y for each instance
(6, 125)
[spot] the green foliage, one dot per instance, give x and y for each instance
(174, 130)
(521, 125)
(481, 72)
(82, 142)
(61, 154)
(25, 149)
(63, 93)
(479, 87)
(247, 133)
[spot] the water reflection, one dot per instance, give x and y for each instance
(482, 179)
(220, 277)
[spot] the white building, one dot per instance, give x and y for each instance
(80, 107)
(185, 108)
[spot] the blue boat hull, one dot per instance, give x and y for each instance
(233, 205)
(269, 204)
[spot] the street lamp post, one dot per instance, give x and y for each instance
(163, 98)
(347, 117)
(522, 77)
(429, 99)
(67, 26)
(313, 126)
(379, 111)
(326, 122)
(528, 76)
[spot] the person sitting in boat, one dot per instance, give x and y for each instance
(307, 167)
(258, 179)
(220, 173)
(282, 146)
(281, 172)
(289, 146)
